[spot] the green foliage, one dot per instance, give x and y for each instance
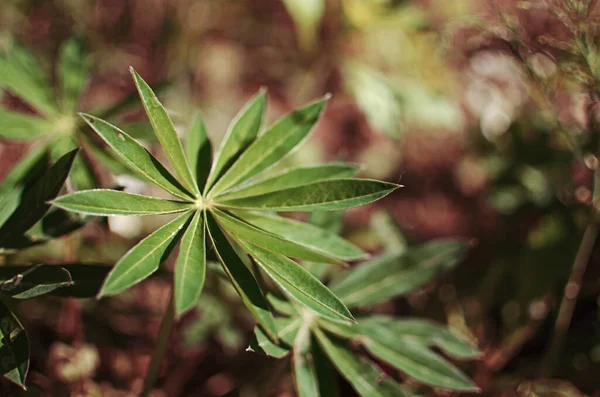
(235, 182)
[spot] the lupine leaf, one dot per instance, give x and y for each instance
(242, 279)
(190, 268)
(298, 282)
(21, 126)
(22, 76)
(165, 131)
(145, 258)
(14, 347)
(199, 150)
(106, 202)
(270, 241)
(305, 376)
(305, 234)
(136, 157)
(140, 130)
(420, 363)
(364, 377)
(287, 328)
(281, 305)
(271, 146)
(395, 274)
(31, 281)
(33, 205)
(242, 131)
(81, 173)
(73, 71)
(292, 178)
(329, 195)
(419, 331)
(86, 280)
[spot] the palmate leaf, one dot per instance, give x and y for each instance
(145, 258)
(298, 283)
(21, 126)
(105, 202)
(287, 329)
(394, 274)
(242, 279)
(313, 375)
(32, 281)
(190, 268)
(199, 150)
(241, 132)
(329, 195)
(14, 347)
(73, 72)
(277, 141)
(165, 131)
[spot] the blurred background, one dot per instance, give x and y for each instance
(484, 110)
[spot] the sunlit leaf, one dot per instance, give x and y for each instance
(242, 131)
(145, 258)
(165, 131)
(190, 268)
(105, 202)
(287, 328)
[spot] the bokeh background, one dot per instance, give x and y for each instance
(483, 110)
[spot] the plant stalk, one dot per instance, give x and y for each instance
(161, 346)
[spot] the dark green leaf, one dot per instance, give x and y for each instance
(165, 131)
(190, 268)
(287, 328)
(86, 279)
(24, 282)
(329, 195)
(242, 279)
(395, 274)
(145, 258)
(14, 347)
(199, 150)
(242, 131)
(106, 202)
(271, 146)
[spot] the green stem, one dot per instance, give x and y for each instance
(161, 346)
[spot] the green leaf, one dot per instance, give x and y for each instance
(329, 195)
(271, 146)
(365, 378)
(199, 150)
(73, 72)
(140, 130)
(165, 131)
(86, 280)
(21, 126)
(305, 377)
(81, 173)
(394, 274)
(242, 131)
(106, 202)
(298, 283)
(22, 76)
(190, 268)
(270, 241)
(242, 279)
(136, 157)
(305, 234)
(287, 328)
(420, 363)
(291, 178)
(419, 331)
(27, 282)
(145, 258)
(14, 347)
(281, 305)
(33, 205)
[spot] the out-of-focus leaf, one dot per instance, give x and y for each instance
(32, 281)
(22, 76)
(364, 377)
(145, 258)
(303, 233)
(86, 280)
(81, 173)
(287, 328)
(307, 15)
(298, 283)
(292, 178)
(137, 157)
(165, 131)
(242, 131)
(58, 223)
(21, 126)
(281, 305)
(394, 274)
(305, 376)
(270, 241)
(106, 202)
(190, 268)
(73, 72)
(271, 146)
(33, 205)
(199, 150)
(326, 376)
(140, 130)
(548, 388)
(329, 195)
(387, 231)
(242, 279)
(14, 347)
